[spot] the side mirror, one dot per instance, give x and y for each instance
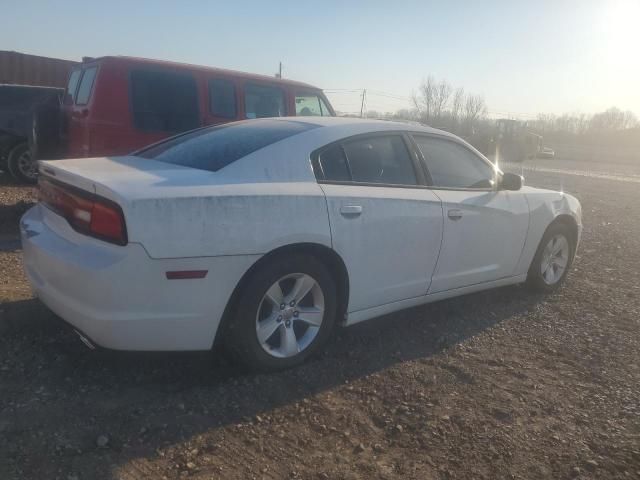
(511, 181)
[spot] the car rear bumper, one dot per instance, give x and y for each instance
(118, 296)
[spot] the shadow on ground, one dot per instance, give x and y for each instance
(179, 395)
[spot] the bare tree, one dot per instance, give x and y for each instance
(442, 92)
(456, 107)
(474, 109)
(425, 103)
(610, 120)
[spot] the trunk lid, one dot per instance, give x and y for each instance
(121, 179)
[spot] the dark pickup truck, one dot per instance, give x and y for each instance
(29, 128)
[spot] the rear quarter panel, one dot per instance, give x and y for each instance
(231, 219)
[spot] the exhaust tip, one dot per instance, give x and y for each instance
(85, 340)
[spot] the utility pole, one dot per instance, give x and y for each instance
(364, 95)
(279, 74)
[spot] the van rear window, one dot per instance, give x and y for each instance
(163, 101)
(213, 148)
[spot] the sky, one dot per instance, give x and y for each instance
(524, 57)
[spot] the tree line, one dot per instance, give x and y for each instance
(439, 104)
(611, 120)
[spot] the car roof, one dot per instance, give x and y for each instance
(365, 124)
(201, 68)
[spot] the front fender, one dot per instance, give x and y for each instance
(545, 206)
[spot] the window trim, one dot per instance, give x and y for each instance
(417, 168)
(210, 80)
(251, 83)
(154, 69)
(455, 141)
(93, 84)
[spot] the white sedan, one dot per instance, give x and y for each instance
(264, 234)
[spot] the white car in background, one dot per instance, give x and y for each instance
(264, 234)
(546, 152)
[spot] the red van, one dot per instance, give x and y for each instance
(114, 105)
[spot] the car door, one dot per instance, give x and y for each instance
(484, 227)
(385, 224)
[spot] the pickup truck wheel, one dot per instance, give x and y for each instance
(21, 165)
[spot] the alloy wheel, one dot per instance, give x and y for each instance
(290, 315)
(555, 258)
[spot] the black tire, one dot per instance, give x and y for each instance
(15, 164)
(535, 278)
(241, 337)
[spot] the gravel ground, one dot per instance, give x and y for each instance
(500, 384)
(14, 201)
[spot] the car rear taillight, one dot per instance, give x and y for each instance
(86, 213)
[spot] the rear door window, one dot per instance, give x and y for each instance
(311, 105)
(222, 98)
(381, 159)
(86, 85)
(262, 101)
(333, 165)
(164, 101)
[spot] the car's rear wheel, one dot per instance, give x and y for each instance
(284, 314)
(21, 164)
(553, 259)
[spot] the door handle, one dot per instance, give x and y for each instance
(454, 214)
(351, 210)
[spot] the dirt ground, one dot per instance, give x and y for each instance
(500, 384)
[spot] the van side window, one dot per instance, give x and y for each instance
(86, 84)
(73, 84)
(222, 98)
(164, 101)
(262, 101)
(311, 105)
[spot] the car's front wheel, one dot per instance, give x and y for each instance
(284, 314)
(553, 258)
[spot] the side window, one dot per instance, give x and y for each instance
(382, 159)
(222, 98)
(73, 84)
(261, 101)
(86, 84)
(311, 105)
(454, 166)
(326, 112)
(164, 101)
(333, 165)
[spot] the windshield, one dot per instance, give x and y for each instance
(213, 148)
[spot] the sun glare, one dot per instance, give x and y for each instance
(622, 33)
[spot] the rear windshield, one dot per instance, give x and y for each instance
(213, 148)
